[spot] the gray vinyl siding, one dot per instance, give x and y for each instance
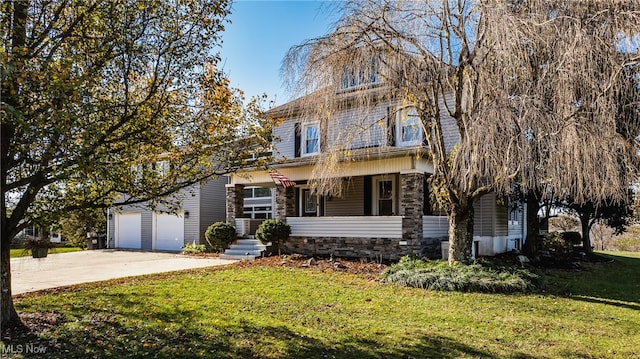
(191, 203)
(490, 217)
(205, 204)
(146, 222)
(360, 128)
(212, 204)
(517, 230)
(284, 134)
(484, 209)
(501, 220)
(351, 203)
(449, 127)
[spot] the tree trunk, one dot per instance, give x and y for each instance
(7, 310)
(586, 228)
(461, 233)
(9, 316)
(533, 225)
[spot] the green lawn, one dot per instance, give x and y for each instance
(20, 252)
(260, 312)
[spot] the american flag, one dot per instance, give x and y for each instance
(284, 181)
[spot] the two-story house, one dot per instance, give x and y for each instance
(384, 207)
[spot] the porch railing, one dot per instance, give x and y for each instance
(435, 226)
(247, 226)
(355, 227)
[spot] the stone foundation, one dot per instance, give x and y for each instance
(389, 249)
(432, 247)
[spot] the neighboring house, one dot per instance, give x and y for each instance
(37, 231)
(384, 209)
(135, 227)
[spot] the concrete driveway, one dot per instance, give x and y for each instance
(63, 269)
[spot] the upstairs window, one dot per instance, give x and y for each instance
(409, 127)
(367, 75)
(310, 139)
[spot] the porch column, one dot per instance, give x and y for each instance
(235, 202)
(411, 207)
(285, 202)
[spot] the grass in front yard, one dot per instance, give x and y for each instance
(21, 252)
(264, 312)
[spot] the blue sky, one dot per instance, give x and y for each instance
(259, 36)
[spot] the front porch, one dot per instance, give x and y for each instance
(358, 236)
(365, 236)
(377, 214)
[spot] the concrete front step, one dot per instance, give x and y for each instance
(244, 249)
(250, 242)
(238, 252)
(226, 256)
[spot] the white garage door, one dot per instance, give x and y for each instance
(128, 230)
(169, 232)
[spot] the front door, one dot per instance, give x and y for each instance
(311, 205)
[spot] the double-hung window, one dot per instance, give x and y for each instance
(409, 127)
(310, 139)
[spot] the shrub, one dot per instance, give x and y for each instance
(439, 275)
(220, 235)
(193, 248)
(555, 242)
(572, 238)
(275, 231)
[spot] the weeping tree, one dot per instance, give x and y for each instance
(111, 103)
(563, 81)
(414, 53)
(543, 95)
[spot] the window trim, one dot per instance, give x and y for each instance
(513, 218)
(352, 79)
(253, 192)
(376, 194)
(304, 138)
(399, 128)
(514, 213)
(320, 203)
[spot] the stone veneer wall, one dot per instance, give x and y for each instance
(389, 249)
(235, 202)
(285, 202)
(411, 208)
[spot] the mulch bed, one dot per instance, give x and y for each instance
(574, 260)
(370, 270)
